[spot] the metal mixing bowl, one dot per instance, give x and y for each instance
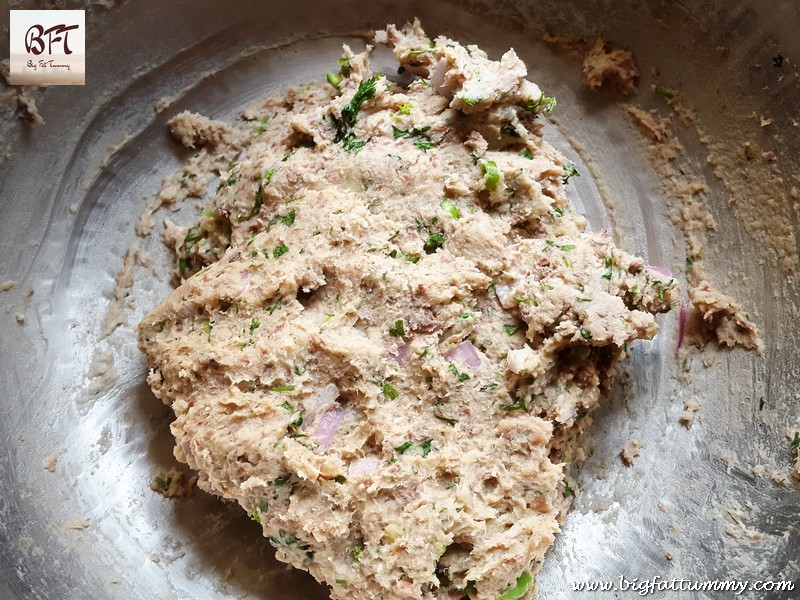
(104, 151)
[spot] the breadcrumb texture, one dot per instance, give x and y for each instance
(174, 484)
(613, 68)
(719, 317)
(391, 329)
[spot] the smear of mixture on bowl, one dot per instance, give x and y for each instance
(391, 329)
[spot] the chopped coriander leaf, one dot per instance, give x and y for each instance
(418, 52)
(344, 63)
(403, 447)
(184, 264)
(405, 109)
(434, 241)
(275, 306)
(211, 214)
(663, 92)
(423, 447)
(568, 491)
(357, 552)
(796, 441)
(451, 422)
(543, 104)
(519, 589)
(397, 330)
(526, 300)
(761, 403)
(256, 207)
(608, 263)
(389, 391)
(192, 235)
(365, 91)
(163, 484)
(287, 219)
(418, 134)
(488, 387)
(491, 174)
(340, 479)
(231, 180)
(287, 406)
(280, 250)
(570, 171)
(471, 101)
(567, 247)
(520, 404)
(526, 153)
(334, 79)
(558, 211)
(295, 424)
(585, 334)
(282, 479)
(282, 388)
(510, 329)
(341, 581)
(509, 130)
(254, 324)
(426, 447)
(262, 126)
(351, 145)
(449, 206)
(454, 370)
(344, 124)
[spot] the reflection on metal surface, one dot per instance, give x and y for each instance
(689, 493)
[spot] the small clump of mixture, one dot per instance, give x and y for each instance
(614, 68)
(391, 329)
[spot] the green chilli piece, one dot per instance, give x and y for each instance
(519, 589)
(569, 171)
(334, 80)
(451, 207)
(491, 174)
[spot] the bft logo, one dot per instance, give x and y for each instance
(35, 38)
(47, 47)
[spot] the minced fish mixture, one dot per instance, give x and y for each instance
(391, 328)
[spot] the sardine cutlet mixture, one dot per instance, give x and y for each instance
(392, 328)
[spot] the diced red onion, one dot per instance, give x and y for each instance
(503, 293)
(465, 352)
(244, 275)
(318, 404)
(328, 424)
(663, 271)
(400, 355)
(438, 73)
(362, 466)
(681, 328)
(565, 415)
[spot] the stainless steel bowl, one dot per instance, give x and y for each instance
(94, 529)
